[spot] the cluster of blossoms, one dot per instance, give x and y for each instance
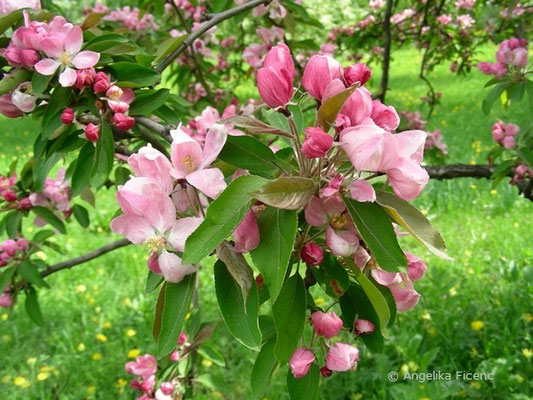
(515, 12)
(504, 134)
(190, 11)
(145, 368)
(55, 196)
(254, 53)
(133, 19)
(9, 195)
(511, 57)
(8, 6)
(11, 248)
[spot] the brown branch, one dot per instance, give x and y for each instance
(163, 131)
(86, 257)
(144, 134)
(386, 53)
(212, 20)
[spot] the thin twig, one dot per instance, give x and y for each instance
(163, 131)
(144, 134)
(212, 20)
(86, 257)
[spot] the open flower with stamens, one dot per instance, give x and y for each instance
(63, 47)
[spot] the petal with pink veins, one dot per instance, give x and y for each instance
(181, 230)
(208, 181)
(67, 78)
(47, 67)
(86, 59)
(315, 212)
(214, 142)
(362, 191)
(74, 40)
(172, 268)
(136, 229)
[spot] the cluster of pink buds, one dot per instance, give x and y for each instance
(133, 19)
(338, 356)
(11, 249)
(182, 341)
(504, 134)
(190, 11)
(511, 55)
(145, 368)
(9, 195)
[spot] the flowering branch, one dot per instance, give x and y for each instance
(86, 257)
(212, 20)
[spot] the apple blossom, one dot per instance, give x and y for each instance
(312, 254)
(342, 357)
(326, 324)
(300, 362)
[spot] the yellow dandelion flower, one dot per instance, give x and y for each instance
(516, 224)
(97, 309)
(97, 356)
(207, 363)
(21, 382)
(528, 317)
(107, 325)
(528, 353)
(133, 353)
(42, 376)
(31, 361)
(81, 288)
(91, 389)
(493, 192)
(4, 317)
(413, 366)
(99, 229)
(452, 291)
(80, 347)
(404, 369)
(477, 325)
(101, 337)
(130, 332)
(473, 187)
(187, 316)
(127, 302)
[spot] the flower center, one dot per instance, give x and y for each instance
(189, 164)
(65, 58)
(115, 95)
(338, 222)
(155, 244)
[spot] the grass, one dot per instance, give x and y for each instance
(473, 315)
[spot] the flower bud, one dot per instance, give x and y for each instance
(318, 73)
(300, 362)
(148, 385)
(416, 268)
(91, 132)
(23, 98)
(167, 388)
(508, 142)
(363, 327)
(9, 196)
(326, 324)
(357, 73)
(7, 107)
(342, 357)
(6, 300)
(67, 116)
(29, 57)
(123, 122)
(175, 356)
(312, 254)
(25, 203)
(153, 263)
(274, 79)
(85, 77)
(317, 143)
(101, 82)
(182, 338)
(325, 372)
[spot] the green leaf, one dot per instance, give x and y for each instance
(92, 19)
(493, 95)
(13, 222)
(305, 388)
(30, 272)
(222, 217)
(355, 302)
(212, 354)
(82, 215)
(50, 217)
(5, 277)
(328, 110)
(249, 153)
(32, 307)
(82, 171)
(529, 91)
(105, 153)
(332, 276)
(237, 266)
(133, 75)
(102, 43)
(241, 317)
(414, 222)
(167, 46)
(526, 154)
(152, 282)
(278, 232)
(289, 317)
(254, 126)
(158, 312)
(121, 175)
(387, 294)
(264, 367)
(41, 170)
(177, 299)
(52, 115)
(286, 192)
(376, 230)
(39, 82)
(277, 120)
(297, 116)
(9, 20)
(147, 102)
(9, 83)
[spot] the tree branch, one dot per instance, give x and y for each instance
(386, 53)
(86, 257)
(212, 20)
(163, 131)
(144, 134)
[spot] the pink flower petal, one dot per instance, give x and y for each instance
(86, 59)
(181, 230)
(67, 78)
(136, 229)
(208, 181)
(172, 268)
(52, 46)
(47, 67)
(74, 40)
(214, 142)
(362, 191)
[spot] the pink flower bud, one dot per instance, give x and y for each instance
(363, 327)
(6, 300)
(135, 384)
(342, 357)
(280, 54)
(274, 79)
(512, 129)
(153, 263)
(508, 142)
(22, 244)
(29, 57)
(148, 385)
(25, 203)
(101, 82)
(325, 372)
(85, 77)
(317, 143)
(67, 116)
(300, 362)
(384, 117)
(357, 73)
(9, 196)
(91, 132)
(182, 338)
(326, 324)
(7, 107)
(123, 122)
(312, 254)
(167, 388)
(175, 356)
(23, 98)
(416, 268)
(247, 234)
(318, 73)
(9, 246)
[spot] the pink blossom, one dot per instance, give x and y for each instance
(318, 73)
(312, 254)
(8, 6)
(465, 21)
(175, 356)
(512, 52)
(23, 97)
(123, 122)
(7, 107)
(363, 327)
(148, 385)
(67, 116)
(362, 191)
(270, 35)
(119, 99)
(132, 19)
(63, 47)
(92, 132)
(385, 117)
(357, 73)
(151, 163)
(190, 161)
(6, 300)
(85, 77)
(342, 357)
(144, 366)
(326, 324)
(274, 79)
(301, 361)
(416, 268)
(247, 234)
(316, 143)
(466, 4)
(253, 54)
(406, 296)
(101, 82)
(444, 19)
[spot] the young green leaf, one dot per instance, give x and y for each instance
(30, 272)
(5, 277)
(222, 217)
(249, 153)
(376, 230)
(104, 157)
(32, 307)
(289, 317)
(287, 192)
(82, 215)
(131, 75)
(50, 217)
(240, 317)
(327, 113)
(264, 367)
(147, 102)
(278, 232)
(82, 170)
(305, 388)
